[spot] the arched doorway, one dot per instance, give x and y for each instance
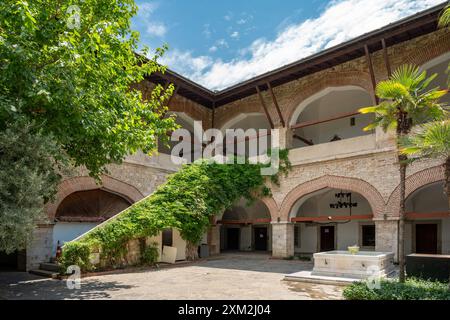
(428, 220)
(81, 211)
(332, 219)
(246, 228)
(331, 115)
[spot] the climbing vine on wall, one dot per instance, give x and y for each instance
(187, 201)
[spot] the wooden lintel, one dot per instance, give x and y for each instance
(255, 221)
(308, 142)
(261, 99)
(386, 57)
(372, 74)
(311, 123)
(429, 215)
(277, 106)
(333, 218)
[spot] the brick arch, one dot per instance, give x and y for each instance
(432, 50)
(336, 182)
(226, 114)
(333, 79)
(75, 184)
(414, 182)
(192, 109)
(271, 205)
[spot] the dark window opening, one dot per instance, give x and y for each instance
(368, 236)
(167, 237)
(296, 236)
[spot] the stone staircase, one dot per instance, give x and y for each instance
(47, 269)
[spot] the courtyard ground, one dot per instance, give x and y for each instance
(227, 277)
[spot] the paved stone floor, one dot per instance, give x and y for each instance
(228, 277)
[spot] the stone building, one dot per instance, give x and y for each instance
(313, 103)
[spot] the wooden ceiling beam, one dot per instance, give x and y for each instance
(263, 104)
(277, 106)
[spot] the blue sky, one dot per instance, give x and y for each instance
(221, 43)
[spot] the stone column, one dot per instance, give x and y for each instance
(282, 239)
(285, 137)
(386, 233)
(214, 240)
(40, 248)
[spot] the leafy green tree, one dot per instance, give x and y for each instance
(406, 101)
(68, 70)
(28, 179)
(69, 66)
(431, 140)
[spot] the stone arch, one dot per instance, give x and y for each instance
(306, 102)
(336, 182)
(272, 206)
(237, 118)
(269, 202)
(355, 79)
(431, 51)
(108, 183)
(193, 110)
(413, 182)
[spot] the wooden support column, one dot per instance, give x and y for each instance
(277, 106)
(372, 74)
(264, 107)
(386, 57)
(213, 115)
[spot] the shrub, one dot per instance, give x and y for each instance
(150, 255)
(78, 254)
(412, 289)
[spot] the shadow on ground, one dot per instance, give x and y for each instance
(22, 285)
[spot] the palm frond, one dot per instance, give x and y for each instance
(444, 20)
(429, 140)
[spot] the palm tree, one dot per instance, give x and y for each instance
(405, 103)
(431, 140)
(444, 20)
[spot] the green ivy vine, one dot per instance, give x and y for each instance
(186, 201)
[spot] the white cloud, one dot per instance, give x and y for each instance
(207, 30)
(147, 8)
(213, 49)
(234, 35)
(222, 43)
(156, 29)
(341, 20)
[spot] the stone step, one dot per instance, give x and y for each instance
(44, 273)
(49, 267)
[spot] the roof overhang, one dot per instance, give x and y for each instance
(403, 30)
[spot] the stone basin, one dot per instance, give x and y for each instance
(361, 265)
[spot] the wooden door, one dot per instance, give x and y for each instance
(426, 238)
(233, 238)
(327, 238)
(261, 239)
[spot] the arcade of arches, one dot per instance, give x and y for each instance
(335, 164)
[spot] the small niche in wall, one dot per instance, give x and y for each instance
(352, 121)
